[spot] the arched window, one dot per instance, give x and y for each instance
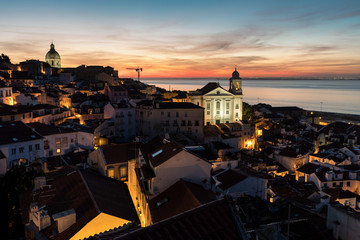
(217, 105)
(237, 86)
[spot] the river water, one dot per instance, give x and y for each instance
(341, 96)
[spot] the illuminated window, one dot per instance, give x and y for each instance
(58, 142)
(111, 173)
(123, 172)
(58, 150)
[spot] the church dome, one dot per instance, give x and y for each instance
(52, 53)
(52, 57)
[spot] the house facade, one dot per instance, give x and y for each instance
(160, 164)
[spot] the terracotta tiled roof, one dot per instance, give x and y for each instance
(178, 198)
(120, 153)
(88, 194)
(46, 130)
(339, 193)
(172, 105)
(158, 150)
(229, 178)
(309, 168)
(209, 87)
(210, 221)
(13, 132)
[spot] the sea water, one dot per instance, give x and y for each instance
(340, 95)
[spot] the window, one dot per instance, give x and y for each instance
(58, 142)
(58, 150)
(189, 123)
(175, 123)
(334, 184)
(183, 123)
(217, 105)
(13, 151)
(207, 112)
(162, 113)
(168, 114)
(341, 184)
(348, 184)
(111, 173)
(46, 144)
(185, 114)
(123, 172)
(37, 146)
(227, 112)
(208, 106)
(21, 149)
(237, 106)
(30, 148)
(167, 123)
(196, 122)
(177, 114)
(325, 185)
(227, 105)
(64, 141)
(236, 114)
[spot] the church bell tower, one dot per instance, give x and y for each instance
(235, 83)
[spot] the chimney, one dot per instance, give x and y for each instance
(39, 182)
(65, 219)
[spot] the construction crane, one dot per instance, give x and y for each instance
(138, 69)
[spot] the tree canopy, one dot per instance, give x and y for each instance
(4, 58)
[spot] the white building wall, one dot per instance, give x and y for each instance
(183, 165)
(253, 186)
(29, 155)
(343, 225)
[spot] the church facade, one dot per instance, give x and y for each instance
(220, 105)
(52, 57)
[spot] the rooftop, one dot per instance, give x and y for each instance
(13, 132)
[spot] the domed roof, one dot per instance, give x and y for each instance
(235, 74)
(52, 53)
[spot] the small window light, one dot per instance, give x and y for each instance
(58, 150)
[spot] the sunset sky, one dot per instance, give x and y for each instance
(189, 38)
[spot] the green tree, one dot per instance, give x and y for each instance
(248, 112)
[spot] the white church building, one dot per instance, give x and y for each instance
(220, 105)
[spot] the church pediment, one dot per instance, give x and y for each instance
(218, 91)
